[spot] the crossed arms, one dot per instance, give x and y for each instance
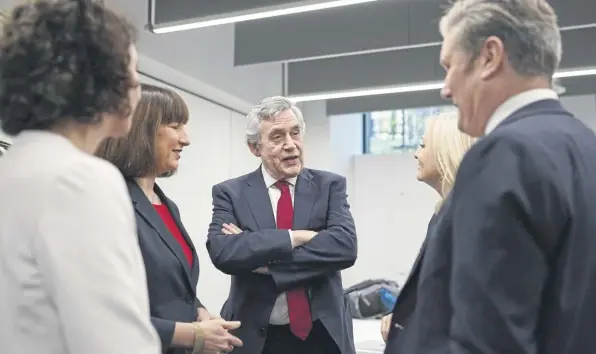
(314, 254)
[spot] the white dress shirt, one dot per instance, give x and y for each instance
(279, 315)
(517, 102)
(72, 278)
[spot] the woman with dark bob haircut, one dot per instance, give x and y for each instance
(152, 149)
(71, 272)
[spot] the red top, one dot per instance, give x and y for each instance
(167, 218)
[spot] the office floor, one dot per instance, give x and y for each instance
(367, 337)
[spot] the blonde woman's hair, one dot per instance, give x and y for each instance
(448, 146)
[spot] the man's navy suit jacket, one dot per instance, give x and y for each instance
(320, 204)
(511, 266)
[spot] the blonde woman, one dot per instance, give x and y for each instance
(439, 155)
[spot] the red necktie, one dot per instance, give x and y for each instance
(298, 306)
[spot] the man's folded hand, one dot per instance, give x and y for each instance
(230, 229)
(261, 270)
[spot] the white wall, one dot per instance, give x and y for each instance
(346, 141)
(391, 210)
(316, 146)
(583, 107)
(332, 142)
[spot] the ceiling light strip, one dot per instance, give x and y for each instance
(428, 86)
(258, 15)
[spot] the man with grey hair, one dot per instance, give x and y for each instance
(284, 233)
(511, 267)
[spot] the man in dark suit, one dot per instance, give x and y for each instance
(511, 267)
(284, 233)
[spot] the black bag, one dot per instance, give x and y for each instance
(372, 298)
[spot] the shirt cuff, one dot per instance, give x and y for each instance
(292, 239)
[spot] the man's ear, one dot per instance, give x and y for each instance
(254, 149)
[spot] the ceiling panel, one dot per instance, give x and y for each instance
(361, 27)
(358, 71)
(405, 67)
(376, 26)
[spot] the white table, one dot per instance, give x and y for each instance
(367, 337)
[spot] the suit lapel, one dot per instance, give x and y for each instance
(257, 197)
(304, 199)
(149, 214)
(412, 279)
(192, 274)
(420, 257)
(411, 284)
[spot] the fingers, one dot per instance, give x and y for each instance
(385, 324)
(230, 324)
(262, 270)
(223, 348)
(228, 343)
(230, 229)
(235, 341)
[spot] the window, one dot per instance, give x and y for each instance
(395, 131)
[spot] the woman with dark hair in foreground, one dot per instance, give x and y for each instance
(153, 149)
(71, 272)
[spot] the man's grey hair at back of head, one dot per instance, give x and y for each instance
(267, 109)
(528, 29)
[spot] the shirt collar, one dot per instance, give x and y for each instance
(270, 181)
(515, 103)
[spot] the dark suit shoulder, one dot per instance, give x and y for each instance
(495, 143)
(324, 175)
(542, 126)
(236, 182)
(541, 142)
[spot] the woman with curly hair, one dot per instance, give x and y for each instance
(71, 272)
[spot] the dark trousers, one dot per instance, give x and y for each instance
(281, 341)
